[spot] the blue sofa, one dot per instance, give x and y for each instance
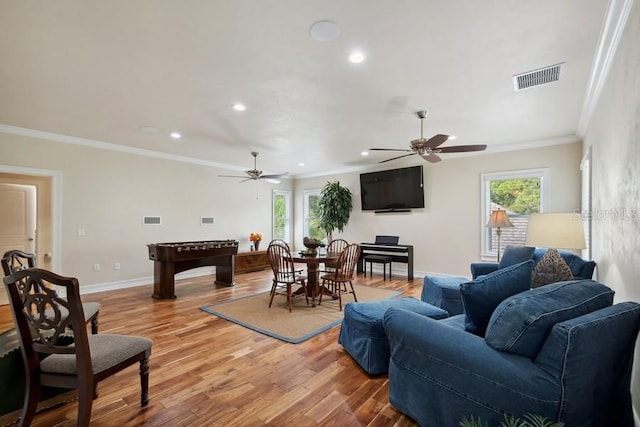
(580, 268)
(562, 351)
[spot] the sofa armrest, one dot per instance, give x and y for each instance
(439, 374)
(482, 268)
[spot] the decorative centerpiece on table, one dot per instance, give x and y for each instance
(255, 238)
(312, 246)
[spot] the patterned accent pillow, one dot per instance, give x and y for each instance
(550, 269)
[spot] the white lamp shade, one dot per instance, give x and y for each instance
(555, 230)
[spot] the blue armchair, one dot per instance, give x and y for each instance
(580, 268)
(561, 351)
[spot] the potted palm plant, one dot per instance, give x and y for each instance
(335, 207)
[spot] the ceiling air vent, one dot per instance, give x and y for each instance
(537, 77)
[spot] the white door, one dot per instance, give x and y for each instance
(17, 221)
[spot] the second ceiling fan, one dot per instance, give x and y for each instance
(255, 174)
(429, 149)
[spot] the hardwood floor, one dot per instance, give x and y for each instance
(207, 371)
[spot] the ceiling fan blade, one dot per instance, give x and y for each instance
(233, 176)
(275, 176)
(462, 148)
(431, 158)
(389, 149)
(436, 141)
(399, 157)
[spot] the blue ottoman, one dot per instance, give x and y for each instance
(362, 334)
(444, 292)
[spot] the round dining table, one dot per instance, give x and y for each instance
(313, 262)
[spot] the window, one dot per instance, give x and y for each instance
(520, 193)
(585, 168)
(282, 215)
(311, 220)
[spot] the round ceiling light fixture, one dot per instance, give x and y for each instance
(324, 31)
(356, 57)
(238, 106)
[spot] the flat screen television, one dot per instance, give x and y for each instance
(392, 190)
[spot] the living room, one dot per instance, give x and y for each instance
(101, 190)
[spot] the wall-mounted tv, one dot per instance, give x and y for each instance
(392, 190)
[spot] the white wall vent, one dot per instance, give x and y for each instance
(537, 77)
(206, 220)
(151, 220)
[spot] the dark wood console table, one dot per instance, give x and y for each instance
(251, 261)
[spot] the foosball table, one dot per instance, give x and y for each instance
(172, 258)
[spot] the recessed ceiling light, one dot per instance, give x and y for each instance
(300, 164)
(176, 135)
(238, 106)
(324, 31)
(452, 137)
(364, 153)
(356, 57)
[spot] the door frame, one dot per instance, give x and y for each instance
(56, 207)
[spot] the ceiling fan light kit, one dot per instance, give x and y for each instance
(429, 149)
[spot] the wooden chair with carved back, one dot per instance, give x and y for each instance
(15, 260)
(336, 282)
(45, 320)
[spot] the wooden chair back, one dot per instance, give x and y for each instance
(346, 264)
(336, 246)
(281, 262)
(15, 260)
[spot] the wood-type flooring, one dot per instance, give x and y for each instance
(206, 371)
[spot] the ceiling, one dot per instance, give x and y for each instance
(131, 72)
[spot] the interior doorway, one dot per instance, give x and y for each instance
(27, 216)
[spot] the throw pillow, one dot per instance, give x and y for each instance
(482, 295)
(515, 255)
(521, 323)
(550, 269)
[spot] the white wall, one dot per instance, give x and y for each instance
(446, 233)
(107, 193)
(614, 137)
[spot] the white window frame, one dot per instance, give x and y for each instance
(485, 201)
(585, 169)
(288, 195)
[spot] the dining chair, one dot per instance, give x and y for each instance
(285, 274)
(336, 282)
(50, 359)
(15, 260)
(335, 246)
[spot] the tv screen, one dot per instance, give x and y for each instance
(392, 190)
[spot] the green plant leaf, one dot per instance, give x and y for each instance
(335, 206)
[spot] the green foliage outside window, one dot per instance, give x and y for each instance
(279, 216)
(315, 231)
(521, 196)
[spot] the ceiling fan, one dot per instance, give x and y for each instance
(429, 149)
(254, 174)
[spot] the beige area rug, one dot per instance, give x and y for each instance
(302, 323)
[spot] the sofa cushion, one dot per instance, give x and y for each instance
(515, 255)
(520, 324)
(483, 294)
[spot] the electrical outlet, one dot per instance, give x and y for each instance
(96, 267)
(116, 266)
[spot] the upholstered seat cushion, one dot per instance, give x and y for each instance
(106, 351)
(362, 334)
(482, 295)
(521, 323)
(89, 308)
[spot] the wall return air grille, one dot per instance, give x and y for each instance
(537, 77)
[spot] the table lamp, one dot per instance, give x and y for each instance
(498, 220)
(554, 231)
